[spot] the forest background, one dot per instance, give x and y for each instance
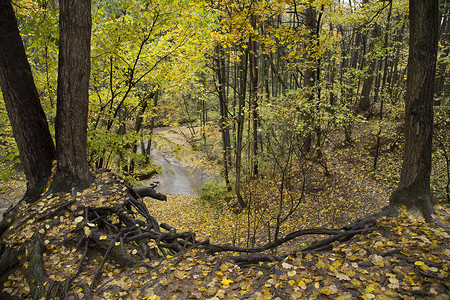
(277, 82)
(286, 88)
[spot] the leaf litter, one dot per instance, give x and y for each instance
(399, 257)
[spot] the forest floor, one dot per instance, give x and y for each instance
(396, 258)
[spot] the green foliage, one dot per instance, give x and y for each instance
(9, 153)
(214, 192)
(140, 53)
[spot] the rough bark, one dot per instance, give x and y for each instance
(27, 118)
(414, 187)
(73, 92)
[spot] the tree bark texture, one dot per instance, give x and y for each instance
(27, 118)
(414, 187)
(73, 90)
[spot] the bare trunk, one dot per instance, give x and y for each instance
(73, 92)
(414, 187)
(224, 124)
(254, 103)
(240, 123)
(25, 113)
(364, 102)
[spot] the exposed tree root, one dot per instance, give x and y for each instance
(108, 222)
(337, 235)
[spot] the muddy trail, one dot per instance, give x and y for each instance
(176, 177)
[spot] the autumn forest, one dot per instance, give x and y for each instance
(249, 149)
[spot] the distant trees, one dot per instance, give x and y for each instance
(285, 78)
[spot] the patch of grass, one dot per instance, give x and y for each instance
(214, 192)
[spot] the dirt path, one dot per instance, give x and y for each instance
(177, 177)
(11, 194)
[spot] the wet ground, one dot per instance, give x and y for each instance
(176, 177)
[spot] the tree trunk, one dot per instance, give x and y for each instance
(240, 122)
(414, 187)
(73, 92)
(223, 121)
(25, 113)
(254, 102)
(309, 73)
(364, 102)
(442, 82)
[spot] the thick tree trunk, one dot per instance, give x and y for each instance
(25, 113)
(414, 187)
(73, 91)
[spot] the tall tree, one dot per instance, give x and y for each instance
(414, 187)
(310, 71)
(25, 112)
(73, 92)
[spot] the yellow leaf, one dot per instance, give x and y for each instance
(224, 267)
(102, 237)
(179, 275)
(302, 284)
(369, 289)
(226, 282)
(337, 264)
(355, 282)
(87, 231)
